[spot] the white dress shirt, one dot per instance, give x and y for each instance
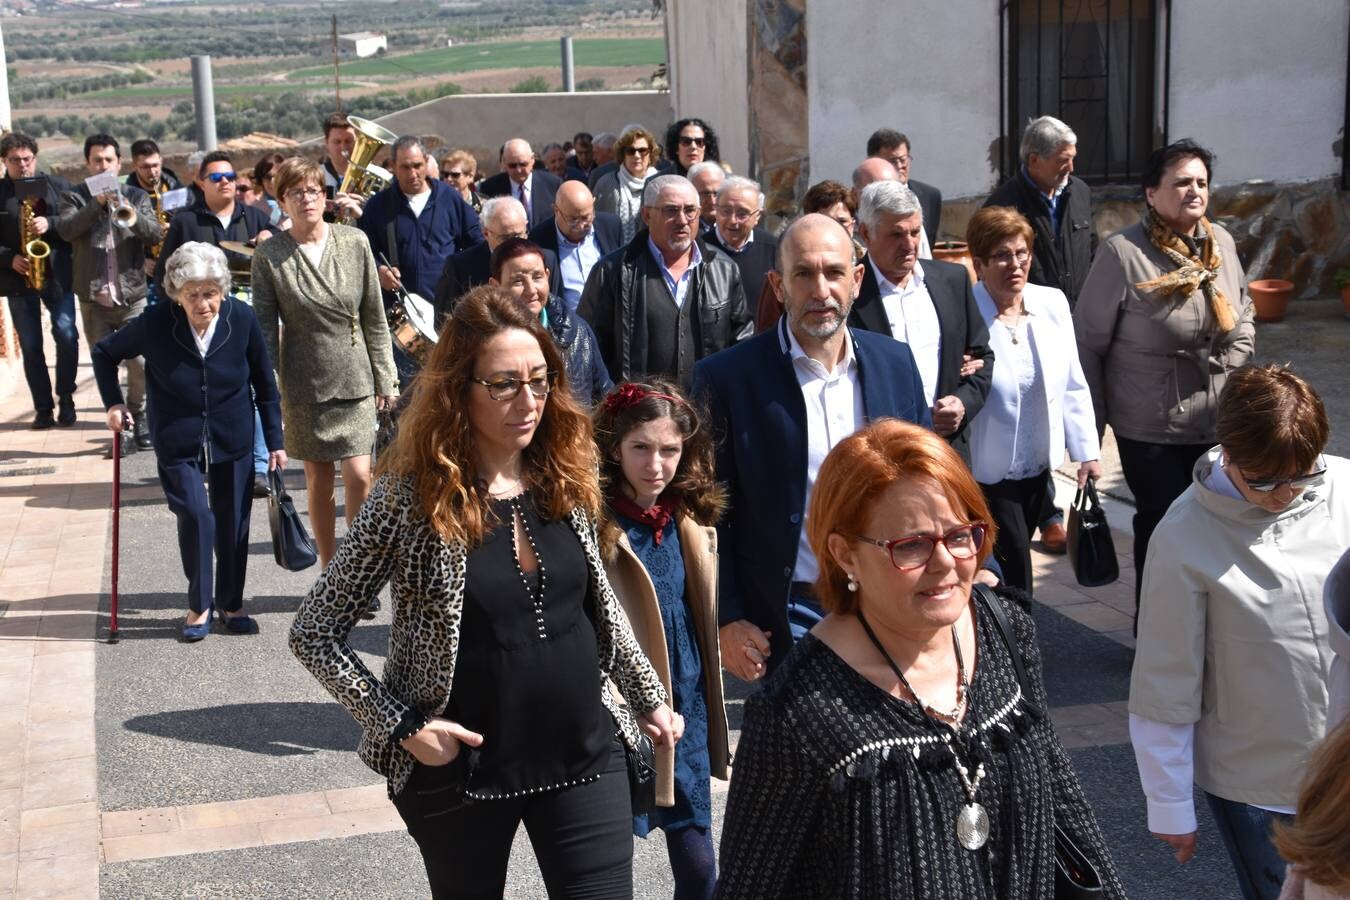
(522, 193)
(914, 321)
(1031, 445)
(575, 262)
(834, 410)
(680, 287)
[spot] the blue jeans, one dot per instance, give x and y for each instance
(27, 313)
(1246, 835)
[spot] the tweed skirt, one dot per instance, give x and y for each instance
(328, 431)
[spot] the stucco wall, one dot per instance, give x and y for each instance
(1263, 86)
(706, 48)
(480, 123)
(931, 73)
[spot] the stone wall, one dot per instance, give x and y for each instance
(779, 139)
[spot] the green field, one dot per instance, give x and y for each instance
(504, 55)
(222, 90)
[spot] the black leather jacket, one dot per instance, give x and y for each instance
(614, 303)
(1058, 260)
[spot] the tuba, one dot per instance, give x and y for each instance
(363, 178)
(35, 249)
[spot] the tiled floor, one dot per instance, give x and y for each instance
(54, 521)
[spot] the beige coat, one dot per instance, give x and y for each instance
(1155, 364)
(637, 596)
(337, 344)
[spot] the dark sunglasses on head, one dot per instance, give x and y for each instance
(686, 141)
(218, 177)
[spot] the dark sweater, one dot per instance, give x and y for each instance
(829, 799)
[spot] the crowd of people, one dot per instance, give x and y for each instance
(631, 438)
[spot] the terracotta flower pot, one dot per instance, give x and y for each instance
(1345, 300)
(956, 252)
(1270, 296)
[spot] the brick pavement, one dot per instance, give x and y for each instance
(54, 524)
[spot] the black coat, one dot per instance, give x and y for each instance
(198, 223)
(963, 331)
(615, 304)
(930, 199)
(543, 188)
(755, 260)
(191, 400)
(1058, 260)
(12, 284)
(470, 268)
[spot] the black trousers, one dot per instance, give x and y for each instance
(1018, 506)
(582, 836)
(216, 522)
(1156, 474)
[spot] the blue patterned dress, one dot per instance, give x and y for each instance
(693, 774)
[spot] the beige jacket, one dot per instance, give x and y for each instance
(1232, 633)
(637, 596)
(336, 344)
(1155, 364)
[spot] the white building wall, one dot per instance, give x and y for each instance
(706, 43)
(929, 70)
(1261, 85)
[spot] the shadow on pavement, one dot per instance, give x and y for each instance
(269, 729)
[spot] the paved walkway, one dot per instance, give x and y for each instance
(119, 762)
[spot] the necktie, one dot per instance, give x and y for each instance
(520, 191)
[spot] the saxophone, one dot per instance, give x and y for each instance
(35, 249)
(157, 197)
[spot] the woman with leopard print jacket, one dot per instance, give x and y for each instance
(497, 703)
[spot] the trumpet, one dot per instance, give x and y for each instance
(35, 249)
(124, 213)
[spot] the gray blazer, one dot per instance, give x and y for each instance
(340, 347)
(82, 221)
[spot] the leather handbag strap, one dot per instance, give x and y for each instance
(991, 603)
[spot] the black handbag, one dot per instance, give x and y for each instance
(1076, 877)
(291, 544)
(1091, 550)
(642, 774)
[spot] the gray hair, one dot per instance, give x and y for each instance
(740, 183)
(605, 139)
(194, 160)
(551, 146)
(707, 165)
(408, 142)
(889, 198)
(651, 192)
(1044, 137)
(496, 207)
(196, 261)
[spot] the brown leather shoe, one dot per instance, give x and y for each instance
(1055, 539)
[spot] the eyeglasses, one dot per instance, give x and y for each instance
(509, 388)
(687, 141)
(298, 194)
(518, 165)
(218, 177)
(914, 552)
(450, 173)
(736, 214)
(246, 188)
(1267, 486)
(636, 151)
(899, 161)
(1006, 259)
(678, 212)
(576, 221)
(20, 160)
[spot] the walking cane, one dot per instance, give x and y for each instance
(116, 517)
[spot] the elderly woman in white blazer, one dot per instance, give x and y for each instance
(1039, 402)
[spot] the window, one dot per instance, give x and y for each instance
(1092, 64)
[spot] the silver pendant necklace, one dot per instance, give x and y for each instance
(972, 822)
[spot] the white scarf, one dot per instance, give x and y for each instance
(630, 200)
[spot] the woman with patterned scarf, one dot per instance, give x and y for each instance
(1162, 319)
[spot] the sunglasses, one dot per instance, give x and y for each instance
(686, 141)
(636, 151)
(218, 177)
(1266, 486)
(448, 173)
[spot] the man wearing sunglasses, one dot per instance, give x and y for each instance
(521, 178)
(217, 217)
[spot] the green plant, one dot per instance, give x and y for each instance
(1342, 278)
(535, 84)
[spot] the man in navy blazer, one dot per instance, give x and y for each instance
(927, 305)
(503, 218)
(521, 178)
(579, 236)
(777, 403)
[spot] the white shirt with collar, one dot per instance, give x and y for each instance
(834, 410)
(575, 262)
(681, 287)
(203, 341)
(914, 321)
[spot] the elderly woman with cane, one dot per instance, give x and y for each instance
(203, 352)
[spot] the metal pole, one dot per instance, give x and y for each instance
(204, 98)
(337, 83)
(569, 83)
(6, 120)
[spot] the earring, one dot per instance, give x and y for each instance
(853, 583)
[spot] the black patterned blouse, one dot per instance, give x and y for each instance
(840, 789)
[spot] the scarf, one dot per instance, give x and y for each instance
(1193, 272)
(657, 517)
(630, 200)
